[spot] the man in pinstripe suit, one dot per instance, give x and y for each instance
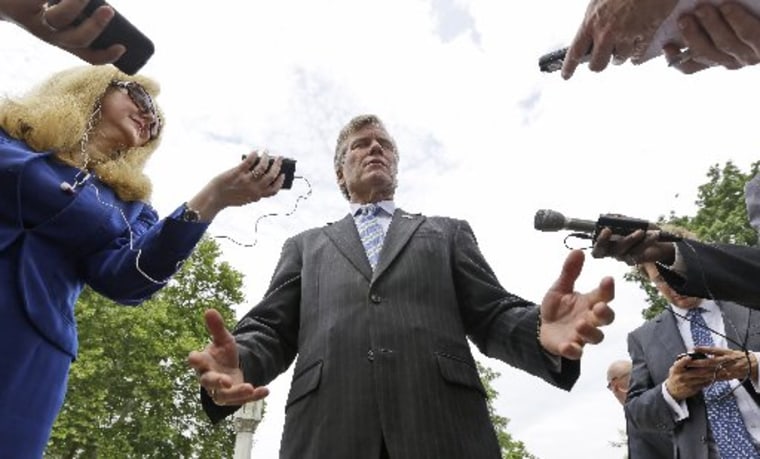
(383, 365)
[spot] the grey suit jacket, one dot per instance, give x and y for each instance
(653, 348)
(384, 355)
(648, 444)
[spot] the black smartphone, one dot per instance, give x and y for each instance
(693, 355)
(119, 31)
(288, 168)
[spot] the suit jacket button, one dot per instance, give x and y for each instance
(371, 355)
(375, 298)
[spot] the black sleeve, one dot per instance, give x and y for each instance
(718, 271)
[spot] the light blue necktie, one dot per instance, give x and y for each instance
(370, 232)
(726, 422)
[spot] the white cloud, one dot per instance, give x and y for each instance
(483, 136)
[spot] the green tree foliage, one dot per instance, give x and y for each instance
(510, 448)
(131, 393)
(721, 217)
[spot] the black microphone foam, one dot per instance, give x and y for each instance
(551, 220)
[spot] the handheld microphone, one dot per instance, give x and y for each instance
(551, 220)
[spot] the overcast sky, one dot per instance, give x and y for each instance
(483, 136)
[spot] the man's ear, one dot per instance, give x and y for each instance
(339, 175)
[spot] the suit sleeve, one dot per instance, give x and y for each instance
(718, 271)
(131, 275)
(502, 325)
(267, 336)
(645, 407)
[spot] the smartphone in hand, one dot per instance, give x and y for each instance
(288, 167)
(692, 355)
(119, 31)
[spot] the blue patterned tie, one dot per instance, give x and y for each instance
(726, 422)
(370, 232)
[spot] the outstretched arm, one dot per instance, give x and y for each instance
(719, 271)
(54, 25)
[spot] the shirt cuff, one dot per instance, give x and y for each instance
(554, 361)
(679, 265)
(680, 410)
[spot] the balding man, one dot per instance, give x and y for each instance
(641, 444)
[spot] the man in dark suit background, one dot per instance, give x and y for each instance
(379, 325)
(642, 444)
(672, 392)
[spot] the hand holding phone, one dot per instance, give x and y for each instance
(692, 355)
(288, 167)
(119, 30)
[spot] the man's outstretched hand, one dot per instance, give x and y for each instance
(218, 367)
(570, 319)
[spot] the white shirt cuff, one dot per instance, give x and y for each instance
(678, 266)
(680, 410)
(756, 382)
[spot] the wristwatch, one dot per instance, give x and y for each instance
(189, 214)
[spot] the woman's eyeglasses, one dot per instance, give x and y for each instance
(144, 103)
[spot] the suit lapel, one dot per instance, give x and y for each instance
(403, 225)
(735, 322)
(666, 331)
(344, 235)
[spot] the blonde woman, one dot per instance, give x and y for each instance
(74, 211)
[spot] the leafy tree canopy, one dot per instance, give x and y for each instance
(721, 217)
(131, 393)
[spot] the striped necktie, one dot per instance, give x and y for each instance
(370, 232)
(728, 429)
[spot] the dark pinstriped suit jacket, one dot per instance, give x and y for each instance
(720, 271)
(384, 355)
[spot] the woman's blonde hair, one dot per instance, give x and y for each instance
(54, 117)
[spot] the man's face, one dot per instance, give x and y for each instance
(369, 166)
(685, 302)
(619, 386)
